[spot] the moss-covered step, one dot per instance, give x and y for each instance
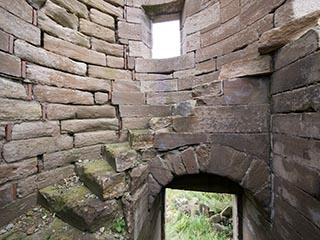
(141, 138)
(102, 179)
(120, 156)
(80, 208)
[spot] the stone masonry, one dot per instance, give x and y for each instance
(80, 95)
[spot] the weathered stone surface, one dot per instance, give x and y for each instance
(93, 138)
(138, 176)
(105, 7)
(30, 53)
(95, 30)
(139, 49)
(219, 33)
(11, 89)
(10, 65)
(102, 19)
(190, 161)
(298, 74)
(73, 6)
(7, 194)
(253, 144)
(229, 11)
(301, 125)
(17, 208)
(37, 4)
(46, 76)
(257, 176)
(120, 156)
(145, 111)
(89, 125)
(153, 77)
(177, 166)
(115, 62)
(236, 41)
(278, 37)
(62, 158)
(108, 48)
(228, 162)
(241, 91)
(294, 9)
(167, 141)
(186, 83)
(199, 21)
(101, 179)
(126, 86)
(203, 156)
(184, 108)
(70, 35)
(305, 45)
(168, 98)
(165, 65)
(21, 9)
(191, 43)
(292, 170)
(154, 186)
(141, 139)
(60, 15)
(301, 150)
(16, 150)
(19, 110)
(125, 98)
(43, 179)
(159, 86)
(73, 51)
(88, 214)
(302, 99)
(207, 89)
(35, 130)
(298, 199)
(227, 119)
(15, 171)
(109, 73)
(60, 95)
(56, 111)
(101, 98)
(17, 26)
(135, 123)
(131, 31)
(161, 171)
(247, 67)
(4, 41)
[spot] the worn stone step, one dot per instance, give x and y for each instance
(78, 207)
(141, 138)
(120, 156)
(101, 179)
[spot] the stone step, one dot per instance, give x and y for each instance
(101, 179)
(77, 206)
(141, 138)
(120, 156)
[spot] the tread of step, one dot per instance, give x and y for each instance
(101, 179)
(120, 156)
(141, 138)
(80, 208)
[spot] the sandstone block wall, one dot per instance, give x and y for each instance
(75, 75)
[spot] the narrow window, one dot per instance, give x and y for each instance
(166, 39)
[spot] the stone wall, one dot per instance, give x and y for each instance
(76, 75)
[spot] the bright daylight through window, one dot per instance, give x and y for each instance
(166, 39)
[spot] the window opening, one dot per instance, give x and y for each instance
(166, 39)
(198, 215)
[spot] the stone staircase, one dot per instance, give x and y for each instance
(94, 201)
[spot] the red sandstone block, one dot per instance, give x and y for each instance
(35, 17)
(9, 128)
(4, 41)
(10, 65)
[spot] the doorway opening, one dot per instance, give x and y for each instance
(198, 215)
(166, 39)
